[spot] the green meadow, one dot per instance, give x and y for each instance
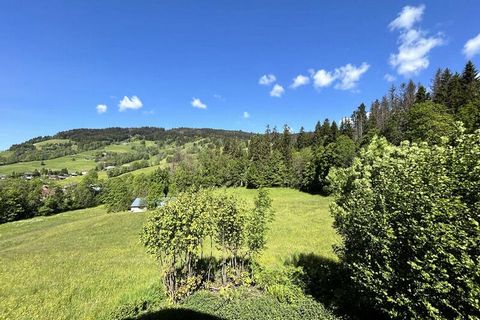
(83, 161)
(85, 264)
(48, 142)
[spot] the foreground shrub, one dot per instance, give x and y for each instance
(409, 218)
(250, 304)
(176, 234)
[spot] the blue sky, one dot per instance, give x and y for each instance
(200, 64)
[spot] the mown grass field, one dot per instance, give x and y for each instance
(84, 264)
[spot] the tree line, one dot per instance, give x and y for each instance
(22, 199)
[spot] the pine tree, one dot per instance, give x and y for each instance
(302, 139)
(333, 132)
(286, 146)
(317, 135)
(454, 94)
(408, 95)
(436, 86)
(275, 139)
(470, 83)
(325, 131)
(421, 95)
(359, 118)
(346, 127)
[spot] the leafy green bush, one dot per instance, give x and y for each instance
(284, 283)
(250, 304)
(409, 218)
(176, 233)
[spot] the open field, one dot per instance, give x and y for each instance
(83, 264)
(76, 265)
(77, 162)
(41, 144)
(302, 224)
(127, 146)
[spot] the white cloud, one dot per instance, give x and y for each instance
(197, 103)
(346, 77)
(299, 81)
(101, 108)
(323, 78)
(246, 115)
(388, 77)
(349, 75)
(130, 103)
(277, 91)
(414, 45)
(267, 79)
(407, 17)
(472, 47)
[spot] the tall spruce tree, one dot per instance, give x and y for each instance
(421, 95)
(302, 139)
(317, 135)
(286, 146)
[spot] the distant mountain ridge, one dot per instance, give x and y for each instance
(117, 134)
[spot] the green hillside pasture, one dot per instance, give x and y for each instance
(127, 146)
(78, 162)
(76, 265)
(41, 144)
(84, 264)
(302, 224)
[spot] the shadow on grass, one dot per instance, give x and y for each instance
(174, 314)
(328, 282)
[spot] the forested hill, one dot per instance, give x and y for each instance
(117, 134)
(83, 139)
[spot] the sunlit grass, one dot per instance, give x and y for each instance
(84, 264)
(83, 161)
(41, 144)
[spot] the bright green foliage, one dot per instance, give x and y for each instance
(409, 219)
(246, 305)
(175, 234)
(257, 223)
(118, 193)
(19, 199)
(429, 122)
(469, 114)
(229, 225)
(158, 187)
(343, 151)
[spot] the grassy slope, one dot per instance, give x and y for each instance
(39, 145)
(83, 161)
(82, 264)
(75, 265)
(302, 224)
